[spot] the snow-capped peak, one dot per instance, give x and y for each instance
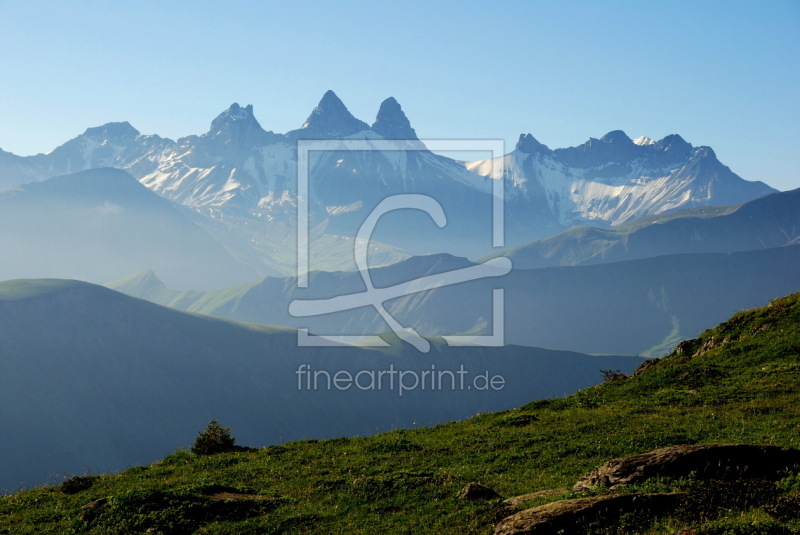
(644, 140)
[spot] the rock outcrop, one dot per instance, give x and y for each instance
(517, 501)
(568, 515)
(707, 461)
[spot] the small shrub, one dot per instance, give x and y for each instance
(215, 439)
(76, 484)
(613, 375)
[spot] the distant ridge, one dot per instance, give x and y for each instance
(638, 306)
(770, 221)
(102, 224)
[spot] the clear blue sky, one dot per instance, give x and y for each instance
(724, 74)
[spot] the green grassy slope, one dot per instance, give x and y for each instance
(737, 384)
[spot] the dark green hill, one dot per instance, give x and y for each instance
(91, 379)
(737, 383)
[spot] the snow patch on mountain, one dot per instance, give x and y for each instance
(638, 179)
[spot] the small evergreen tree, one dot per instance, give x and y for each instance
(215, 439)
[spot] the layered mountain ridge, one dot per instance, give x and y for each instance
(243, 175)
(766, 222)
(656, 301)
(660, 277)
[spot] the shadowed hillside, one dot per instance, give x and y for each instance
(92, 379)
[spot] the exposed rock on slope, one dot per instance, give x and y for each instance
(569, 514)
(707, 461)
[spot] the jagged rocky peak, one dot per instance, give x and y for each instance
(614, 147)
(673, 143)
(528, 144)
(112, 132)
(617, 137)
(238, 126)
(234, 114)
(391, 122)
(329, 120)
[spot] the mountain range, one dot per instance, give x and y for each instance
(240, 181)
